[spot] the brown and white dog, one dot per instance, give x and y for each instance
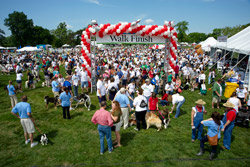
(153, 119)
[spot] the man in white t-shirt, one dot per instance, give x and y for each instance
(169, 88)
(84, 79)
(75, 80)
(147, 90)
(179, 100)
(242, 94)
(101, 90)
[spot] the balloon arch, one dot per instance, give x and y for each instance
(166, 31)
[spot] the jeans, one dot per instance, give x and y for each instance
(156, 89)
(178, 108)
(131, 102)
(205, 139)
(105, 131)
(200, 129)
(227, 136)
(75, 88)
(209, 80)
(163, 102)
(147, 102)
(140, 117)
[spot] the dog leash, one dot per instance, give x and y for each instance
(161, 114)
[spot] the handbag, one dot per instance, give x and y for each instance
(213, 141)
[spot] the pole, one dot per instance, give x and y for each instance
(248, 73)
(166, 58)
(93, 76)
(217, 61)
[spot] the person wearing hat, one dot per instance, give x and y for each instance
(147, 90)
(228, 121)
(196, 118)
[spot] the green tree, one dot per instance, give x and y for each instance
(61, 32)
(196, 37)
(20, 27)
(41, 36)
(182, 27)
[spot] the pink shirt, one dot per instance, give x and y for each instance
(102, 117)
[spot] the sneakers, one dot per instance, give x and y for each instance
(136, 129)
(27, 141)
(33, 144)
(70, 108)
(101, 153)
(211, 157)
(192, 140)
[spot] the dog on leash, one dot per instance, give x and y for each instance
(44, 139)
(54, 100)
(132, 120)
(153, 119)
(83, 99)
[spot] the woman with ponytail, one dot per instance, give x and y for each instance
(214, 125)
(65, 102)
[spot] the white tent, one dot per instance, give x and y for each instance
(28, 49)
(2, 47)
(208, 43)
(66, 46)
(239, 42)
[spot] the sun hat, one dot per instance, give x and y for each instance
(147, 80)
(201, 102)
(229, 104)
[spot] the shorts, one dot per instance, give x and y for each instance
(118, 125)
(28, 126)
(124, 82)
(103, 98)
(85, 84)
(216, 100)
(18, 81)
(55, 94)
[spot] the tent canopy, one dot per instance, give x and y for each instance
(208, 43)
(28, 49)
(239, 42)
(65, 46)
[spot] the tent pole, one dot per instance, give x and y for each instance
(215, 63)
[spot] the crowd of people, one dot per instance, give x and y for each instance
(133, 79)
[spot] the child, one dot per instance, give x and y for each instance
(203, 89)
(164, 99)
(153, 102)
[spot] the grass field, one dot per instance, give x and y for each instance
(75, 142)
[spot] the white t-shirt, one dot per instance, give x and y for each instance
(131, 88)
(19, 76)
(61, 81)
(235, 101)
(117, 80)
(137, 103)
(101, 87)
(147, 89)
(84, 76)
(241, 92)
(75, 79)
(176, 98)
(169, 87)
(112, 84)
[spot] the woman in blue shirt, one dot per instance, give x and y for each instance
(65, 102)
(214, 125)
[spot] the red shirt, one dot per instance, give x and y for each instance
(151, 74)
(165, 97)
(152, 103)
(144, 72)
(231, 115)
(102, 117)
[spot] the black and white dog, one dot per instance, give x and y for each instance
(83, 99)
(44, 139)
(48, 100)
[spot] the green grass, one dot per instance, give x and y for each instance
(75, 142)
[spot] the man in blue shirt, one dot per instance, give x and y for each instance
(124, 102)
(12, 94)
(119, 73)
(24, 113)
(55, 87)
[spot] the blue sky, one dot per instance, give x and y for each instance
(202, 15)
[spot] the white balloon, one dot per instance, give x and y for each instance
(85, 63)
(129, 29)
(86, 36)
(86, 51)
(81, 43)
(84, 33)
(87, 66)
(165, 33)
(88, 40)
(172, 23)
(168, 33)
(118, 31)
(101, 25)
(173, 48)
(153, 32)
(106, 31)
(166, 23)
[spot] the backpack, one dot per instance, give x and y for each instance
(143, 104)
(153, 81)
(113, 89)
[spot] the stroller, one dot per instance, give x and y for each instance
(243, 117)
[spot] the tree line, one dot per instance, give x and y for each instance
(24, 32)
